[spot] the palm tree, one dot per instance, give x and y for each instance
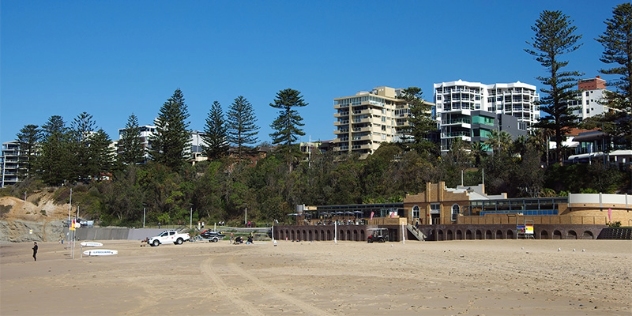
(540, 141)
(479, 152)
(499, 141)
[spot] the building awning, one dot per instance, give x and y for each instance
(590, 136)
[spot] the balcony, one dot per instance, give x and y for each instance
(341, 123)
(362, 138)
(341, 114)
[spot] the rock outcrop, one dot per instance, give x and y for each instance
(22, 221)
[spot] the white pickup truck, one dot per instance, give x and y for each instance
(169, 236)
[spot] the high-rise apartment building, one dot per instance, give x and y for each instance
(10, 163)
(590, 98)
(470, 110)
(369, 118)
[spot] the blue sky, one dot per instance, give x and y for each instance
(114, 58)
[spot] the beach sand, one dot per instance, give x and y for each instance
(493, 277)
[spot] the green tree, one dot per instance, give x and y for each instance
(499, 141)
(478, 152)
(420, 123)
(241, 124)
(54, 164)
(28, 138)
(101, 155)
(81, 129)
(215, 133)
(617, 44)
(554, 37)
(172, 138)
(287, 125)
(130, 146)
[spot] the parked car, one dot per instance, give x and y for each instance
(377, 235)
(212, 236)
(169, 236)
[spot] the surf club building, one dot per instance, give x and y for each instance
(464, 213)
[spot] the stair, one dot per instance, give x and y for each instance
(417, 233)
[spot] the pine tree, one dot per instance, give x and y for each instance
(81, 130)
(28, 138)
(55, 163)
(215, 133)
(101, 154)
(554, 37)
(130, 145)
(287, 124)
(617, 44)
(420, 123)
(172, 138)
(241, 124)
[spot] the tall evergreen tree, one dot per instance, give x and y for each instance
(215, 133)
(241, 124)
(287, 125)
(81, 130)
(172, 138)
(617, 44)
(554, 37)
(130, 145)
(420, 123)
(101, 155)
(54, 164)
(28, 138)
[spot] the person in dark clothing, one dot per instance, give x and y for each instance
(35, 251)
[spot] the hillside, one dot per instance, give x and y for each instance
(37, 219)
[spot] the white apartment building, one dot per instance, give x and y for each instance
(145, 132)
(10, 163)
(367, 119)
(592, 95)
(195, 149)
(456, 100)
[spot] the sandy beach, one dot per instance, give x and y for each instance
(495, 277)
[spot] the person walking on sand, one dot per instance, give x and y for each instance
(35, 250)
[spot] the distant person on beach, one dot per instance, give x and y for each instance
(35, 250)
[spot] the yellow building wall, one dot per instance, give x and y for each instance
(584, 214)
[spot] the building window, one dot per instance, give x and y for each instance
(415, 211)
(435, 208)
(455, 212)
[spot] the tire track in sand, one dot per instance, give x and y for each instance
(229, 292)
(253, 280)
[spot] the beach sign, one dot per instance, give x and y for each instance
(100, 252)
(528, 229)
(91, 244)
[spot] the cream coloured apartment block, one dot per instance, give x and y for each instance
(367, 119)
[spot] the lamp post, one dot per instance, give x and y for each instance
(191, 218)
(143, 216)
(246, 216)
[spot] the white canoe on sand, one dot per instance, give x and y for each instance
(100, 252)
(91, 244)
